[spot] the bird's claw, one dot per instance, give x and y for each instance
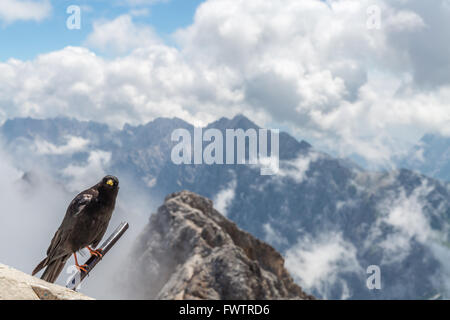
(83, 268)
(97, 253)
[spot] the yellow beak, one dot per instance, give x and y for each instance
(110, 182)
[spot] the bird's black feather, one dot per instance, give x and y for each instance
(84, 224)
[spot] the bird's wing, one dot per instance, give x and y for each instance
(101, 233)
(80, 202)
(57, 247)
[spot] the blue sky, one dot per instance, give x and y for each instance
(26, 39)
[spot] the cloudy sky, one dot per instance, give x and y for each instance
(355, 77)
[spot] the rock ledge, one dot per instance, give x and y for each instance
(17, 285)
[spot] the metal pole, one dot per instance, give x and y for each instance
(79, 276)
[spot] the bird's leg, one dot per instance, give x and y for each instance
(97, 253)
(80, 268)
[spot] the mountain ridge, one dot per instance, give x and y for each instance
(399, 220)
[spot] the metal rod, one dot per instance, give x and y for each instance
(79, 276)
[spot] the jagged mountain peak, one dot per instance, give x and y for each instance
(237, 122)
(190, 251)
(52, 129)
(160, 122)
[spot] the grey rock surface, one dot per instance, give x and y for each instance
(190, 251)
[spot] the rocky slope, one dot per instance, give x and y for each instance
(190, 251)
(16, 285)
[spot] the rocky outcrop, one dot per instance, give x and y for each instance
(190, 251)
(16, 285)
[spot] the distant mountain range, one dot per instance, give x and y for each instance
(327, 216)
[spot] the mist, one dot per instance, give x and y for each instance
(33, 202)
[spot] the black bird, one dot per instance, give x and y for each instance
(84, 226)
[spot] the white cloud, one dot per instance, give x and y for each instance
(32, 208)
(88, 174)
(14, 10)
(121, 35)
(317, 262)
(74, 144)
(405, 214)
(139, 87)
(405, 20)
(442, 254)
(297, 169)
(272, 236)
(310, 65)
(315, 65)
(225, 197)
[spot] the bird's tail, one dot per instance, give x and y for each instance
(53, 269)
(40, 266)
